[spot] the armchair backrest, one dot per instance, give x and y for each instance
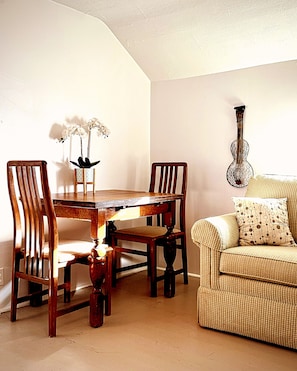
(277, 186)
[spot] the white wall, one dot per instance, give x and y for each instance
(55, 64)
(194, 120)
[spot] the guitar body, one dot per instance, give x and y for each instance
(238, 174)
(240, 170)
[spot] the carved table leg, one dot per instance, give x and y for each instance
(97, 274)
(169, 256)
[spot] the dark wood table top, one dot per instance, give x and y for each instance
(112, 198)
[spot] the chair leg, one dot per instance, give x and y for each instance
(52, 306)
(34, 289)
(149, 264)
(108, 284)
(14, 289)
(153, 268)
(67, 284)
(14, 299)
(114, 262)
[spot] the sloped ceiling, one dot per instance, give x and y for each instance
(172, 39)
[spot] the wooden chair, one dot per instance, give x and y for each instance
(166, 177)
(37, 254)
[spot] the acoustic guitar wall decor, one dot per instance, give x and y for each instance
(240, 171)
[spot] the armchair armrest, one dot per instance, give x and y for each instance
(217, 233)
(212, 236)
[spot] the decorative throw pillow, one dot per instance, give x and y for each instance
(263, 221)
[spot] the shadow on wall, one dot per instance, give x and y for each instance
(64, 176)
(5, 292)
(64, 171)
(5, 265)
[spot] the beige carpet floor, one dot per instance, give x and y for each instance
(143, 333)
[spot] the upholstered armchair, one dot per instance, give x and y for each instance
(248, 264)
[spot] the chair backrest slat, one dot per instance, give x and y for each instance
(33, 214)
(170, 177)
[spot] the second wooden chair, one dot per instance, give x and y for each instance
(166, 177)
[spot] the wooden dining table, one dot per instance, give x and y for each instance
(110, 205)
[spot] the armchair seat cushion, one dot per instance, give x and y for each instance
(275, 264)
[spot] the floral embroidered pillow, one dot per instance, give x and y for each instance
(263, 221)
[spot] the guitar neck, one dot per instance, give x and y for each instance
(239, 119)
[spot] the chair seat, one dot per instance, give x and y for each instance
(146, 231)
(76, 247)
(69, 250)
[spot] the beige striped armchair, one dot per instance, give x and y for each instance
(250, 290)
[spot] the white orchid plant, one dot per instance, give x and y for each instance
(82, 131)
